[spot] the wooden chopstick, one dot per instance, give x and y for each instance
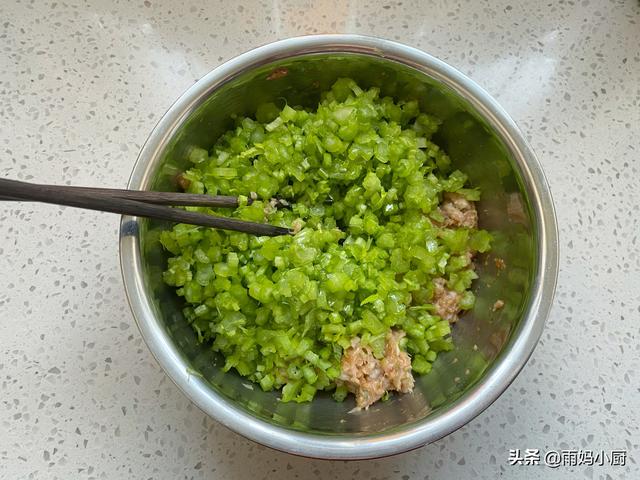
(176, 199)
(159, 198)
(137, 203)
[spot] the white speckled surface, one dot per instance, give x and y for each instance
(83, 83)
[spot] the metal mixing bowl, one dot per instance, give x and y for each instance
(491, 347)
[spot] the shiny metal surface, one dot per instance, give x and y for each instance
(491, 347)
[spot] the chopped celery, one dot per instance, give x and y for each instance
(364, 181)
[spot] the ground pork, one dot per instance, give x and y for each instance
(271, 207)
(458, 211)
(445, 301)
(183, 182)
(296, 225)
(396, 364)
(369, 378)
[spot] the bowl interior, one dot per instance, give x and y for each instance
(480, 336)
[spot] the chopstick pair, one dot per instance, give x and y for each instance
(138, 203)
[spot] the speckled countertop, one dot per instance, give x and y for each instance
(83, 83)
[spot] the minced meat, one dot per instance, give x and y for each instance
(396, 364)
(445, 301)
(369, 378)
(458, 211)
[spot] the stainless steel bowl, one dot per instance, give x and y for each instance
(490, 347)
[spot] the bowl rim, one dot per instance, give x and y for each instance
(476, 399)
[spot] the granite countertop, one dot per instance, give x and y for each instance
(83, 83)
